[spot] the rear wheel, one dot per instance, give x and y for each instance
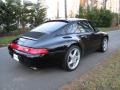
(72, 58)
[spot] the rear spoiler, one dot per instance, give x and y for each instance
(57, 21)
(28, 38)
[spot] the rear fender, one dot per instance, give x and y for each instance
(76, 43)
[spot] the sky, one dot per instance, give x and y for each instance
(72, 5)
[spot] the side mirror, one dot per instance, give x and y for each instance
(97, 30)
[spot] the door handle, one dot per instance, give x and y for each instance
(67, 37)
(84, 36)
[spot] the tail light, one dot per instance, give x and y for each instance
(41, 51)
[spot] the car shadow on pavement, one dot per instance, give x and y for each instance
(47, 65)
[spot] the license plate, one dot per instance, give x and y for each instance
(15, 57)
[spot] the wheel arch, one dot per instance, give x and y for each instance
(105, 36)
(76, 43)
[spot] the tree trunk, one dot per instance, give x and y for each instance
(23, 25)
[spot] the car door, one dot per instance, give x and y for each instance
(88, 36)
(96, 36)
(84, 37)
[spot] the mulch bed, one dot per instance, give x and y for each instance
(14, 33)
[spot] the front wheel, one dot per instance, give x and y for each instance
(72, 58)
(104, 45)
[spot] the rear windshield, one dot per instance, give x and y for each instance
(49, 27)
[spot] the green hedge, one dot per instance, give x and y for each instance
(99, 17)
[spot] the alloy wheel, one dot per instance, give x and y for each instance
(73, 58)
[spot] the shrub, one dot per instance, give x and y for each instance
(98, 17)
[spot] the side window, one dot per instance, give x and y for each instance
(72, 28)
(81, 29)
(86, 26)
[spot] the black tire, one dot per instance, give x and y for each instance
(104, 45)
(65, 62)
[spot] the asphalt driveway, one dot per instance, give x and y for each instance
(14, 76)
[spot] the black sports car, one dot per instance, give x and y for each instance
(68, 39)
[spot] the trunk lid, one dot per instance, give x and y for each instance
(29, 39)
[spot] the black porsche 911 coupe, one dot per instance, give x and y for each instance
(69, 39)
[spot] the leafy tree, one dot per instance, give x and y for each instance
(38, 15)
(23, 16)
(33, 14)
(8, 15)
(12, 13)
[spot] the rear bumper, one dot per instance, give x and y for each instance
(36, 60)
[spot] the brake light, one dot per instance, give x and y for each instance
(42, 51)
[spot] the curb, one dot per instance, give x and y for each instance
(3, 47)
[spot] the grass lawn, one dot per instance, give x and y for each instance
(105, 76)
(5, 40)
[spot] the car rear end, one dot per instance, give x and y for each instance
(33, 47)
(27, 55)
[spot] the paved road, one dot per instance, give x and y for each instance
(14, 76)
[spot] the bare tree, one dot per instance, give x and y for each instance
(65, 2)
(104, 3)
(57, 9)
(93, 3)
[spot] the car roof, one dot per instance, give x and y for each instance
(75, 19)
(67, 20)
